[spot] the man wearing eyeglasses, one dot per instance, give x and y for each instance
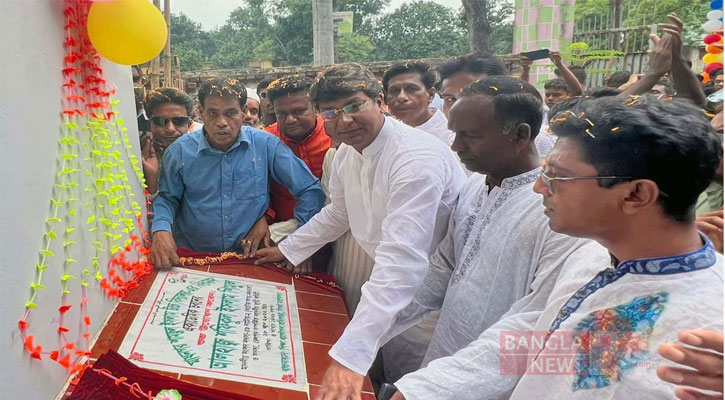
(214, 187)
(499, 255)
(303, 131)
(394, 187)
(169, 109)
(625, 173)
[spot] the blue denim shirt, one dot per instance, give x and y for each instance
(213, 198)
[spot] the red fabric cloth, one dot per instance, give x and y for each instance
(321, 280)
(95, 386)
(312, 151)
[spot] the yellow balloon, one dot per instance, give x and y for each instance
(127, 32)
(709, 58)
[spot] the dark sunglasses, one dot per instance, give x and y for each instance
(177, 121)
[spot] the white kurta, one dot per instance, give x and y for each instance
(437, 125)
(396, 198)
(647, 308)
(498, 247)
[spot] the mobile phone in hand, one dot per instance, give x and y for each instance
(536, 54)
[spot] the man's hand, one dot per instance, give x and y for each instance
(273, 255)
(525, 62)
(676, 29)
(340, 383)
(708, 366)
(711, 224)
(151, 165)
(555, 57)
(258, 233)
(270, 255)
(634, 78)
(660, 59)
(163, 250)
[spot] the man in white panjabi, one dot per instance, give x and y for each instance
(394, 189)
(626, 173)
(409, 90)
(498, 246)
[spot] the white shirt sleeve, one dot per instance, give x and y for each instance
(474, 372)
(431, 294)
(401, 259)
(325, 227)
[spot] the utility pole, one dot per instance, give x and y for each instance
(322, 34)
(156, 62)
(167, 49)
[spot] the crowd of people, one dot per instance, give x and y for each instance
(457, 206)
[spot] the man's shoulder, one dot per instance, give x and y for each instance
(190, 140)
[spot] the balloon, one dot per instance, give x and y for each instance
(705, 77)
(712, 38)
(712, 66)
(712, 26)
(714, 14)
(712, 49)
(127, 32)
(716, 5)
(709, 58)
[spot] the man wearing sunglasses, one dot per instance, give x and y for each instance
(303, 131)
(214, 187)
(394, 187)
(169, 109)
(266, 108)
(625, 173)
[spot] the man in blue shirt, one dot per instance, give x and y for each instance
(214, 187)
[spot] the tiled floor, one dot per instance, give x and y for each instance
(322, 318)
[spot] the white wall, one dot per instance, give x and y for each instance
(31, 35)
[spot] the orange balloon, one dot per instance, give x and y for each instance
(712, 49)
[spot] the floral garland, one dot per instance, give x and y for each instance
(91, 176)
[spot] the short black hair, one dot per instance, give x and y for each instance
(474, 63)
(669, 87)
(618, 79)
(427, 75)
(222, 88)
(514, 101)
(343, 80)
(263, 85)
(580, 73)
(668, 142)
(288, 85)
(715, 72)
(167, 95)
(557, 84)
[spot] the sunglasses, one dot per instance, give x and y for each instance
(177, 121)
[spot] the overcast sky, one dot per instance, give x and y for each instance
(214, 13)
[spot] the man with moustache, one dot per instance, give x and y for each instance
(214, 189)
(394, 189)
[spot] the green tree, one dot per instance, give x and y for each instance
(418, 30)
(501, 18)
(292, 30)
(246, 28)
(190, 42)
(354, 47)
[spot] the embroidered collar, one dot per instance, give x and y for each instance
(699, 259)
(515, 182)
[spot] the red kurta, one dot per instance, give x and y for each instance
(312, 151)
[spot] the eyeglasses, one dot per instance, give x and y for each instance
(349, 109)
(177, 121)
(550, 186)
